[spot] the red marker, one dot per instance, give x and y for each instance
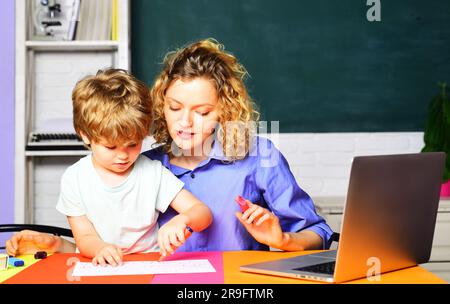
(242, 203)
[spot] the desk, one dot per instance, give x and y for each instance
(55, 270)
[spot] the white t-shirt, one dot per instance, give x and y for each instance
(124, 215)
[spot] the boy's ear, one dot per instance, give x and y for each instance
(85, 138)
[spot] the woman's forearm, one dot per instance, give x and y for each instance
(298, 241)
(66, 246)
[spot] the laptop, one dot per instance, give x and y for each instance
(388, 222)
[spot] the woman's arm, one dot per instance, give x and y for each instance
(288, 219)
(66, 246)
(298, 241)
(29, 241)
(265, 227)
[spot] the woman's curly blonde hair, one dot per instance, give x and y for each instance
(208, 59)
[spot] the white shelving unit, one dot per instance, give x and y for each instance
(72, 45)
(46, 71)
(56, 153)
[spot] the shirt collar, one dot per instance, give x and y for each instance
(215, 153)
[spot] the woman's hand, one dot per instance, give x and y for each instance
(28, 242)
(108, 254)
(262, 224)
(173, 234)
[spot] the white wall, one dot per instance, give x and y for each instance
(321, 161)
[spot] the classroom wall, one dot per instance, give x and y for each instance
(7, 30)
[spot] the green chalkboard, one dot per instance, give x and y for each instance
(315, 65)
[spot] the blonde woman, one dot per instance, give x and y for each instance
(205, 121)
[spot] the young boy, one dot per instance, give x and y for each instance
(113, 196)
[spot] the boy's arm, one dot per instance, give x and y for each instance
(192, 211)
(90, 243)
(86, 238)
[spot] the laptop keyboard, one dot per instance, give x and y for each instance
(327, 268)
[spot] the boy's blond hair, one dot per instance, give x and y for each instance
(208, 59)
(112, 105)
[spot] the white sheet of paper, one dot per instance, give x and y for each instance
(83, 269)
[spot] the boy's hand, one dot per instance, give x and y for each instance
(108, 254)
(28, 242)
(172, 235)
(262, 224)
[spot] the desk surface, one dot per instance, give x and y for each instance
(56, 269)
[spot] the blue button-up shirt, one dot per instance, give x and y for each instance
(263, 177)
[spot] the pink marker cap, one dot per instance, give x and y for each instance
(242, 203)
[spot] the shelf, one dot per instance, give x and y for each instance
(58, 153)
(83, 45)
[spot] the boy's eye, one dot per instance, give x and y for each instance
(110, 147)
(132, 145)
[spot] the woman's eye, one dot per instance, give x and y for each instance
(203, 113)
(173, 109)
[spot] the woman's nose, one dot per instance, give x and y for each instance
(186, 120)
